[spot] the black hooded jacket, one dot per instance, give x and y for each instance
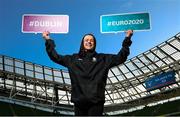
(88, 74)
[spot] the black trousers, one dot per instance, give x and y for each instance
(93, 109)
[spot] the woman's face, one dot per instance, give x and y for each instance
(88, 42)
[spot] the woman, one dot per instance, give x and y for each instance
(88, 71)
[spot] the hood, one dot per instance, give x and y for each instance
(82, 53)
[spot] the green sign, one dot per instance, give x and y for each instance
(121, 22)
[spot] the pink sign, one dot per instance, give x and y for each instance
(35, 23)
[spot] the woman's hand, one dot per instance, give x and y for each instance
(45, 35)
(127, 42)
(129, 33)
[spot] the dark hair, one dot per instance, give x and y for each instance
(82, 49)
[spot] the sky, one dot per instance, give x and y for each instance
(84, 17)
